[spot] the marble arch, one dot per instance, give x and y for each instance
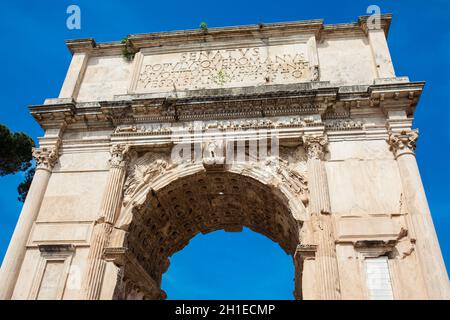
(346, 173)
(177, 205)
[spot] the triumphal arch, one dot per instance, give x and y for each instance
(300, 131)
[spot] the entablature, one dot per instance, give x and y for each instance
(280, 106)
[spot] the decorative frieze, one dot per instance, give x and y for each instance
(141, 130)
(343, 124)
(228, 125)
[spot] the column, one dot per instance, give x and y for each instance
(111, 204)
(319, 208)
(46, 158)
(403, 144)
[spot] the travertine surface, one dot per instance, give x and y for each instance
(300, 131)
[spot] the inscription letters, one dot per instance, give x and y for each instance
(215, 68)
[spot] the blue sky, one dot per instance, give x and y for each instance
(223, 265)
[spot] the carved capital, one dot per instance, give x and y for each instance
(46, 157)
(315, 146)
(403, 142)
(119, 155)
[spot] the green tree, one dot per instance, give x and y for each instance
(24, 186)
(16, 156)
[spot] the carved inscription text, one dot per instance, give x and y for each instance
(227, 67)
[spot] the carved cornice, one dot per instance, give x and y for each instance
(81, 45)
(187, 37)
(315, 146)
(46, 157)
(385, 23)
(396, 96)
(224, 104)
(54, 115)
(115, 112)
(403, 142)
(315, 28)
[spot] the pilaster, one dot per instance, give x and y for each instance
(112, 199)
(327, 273)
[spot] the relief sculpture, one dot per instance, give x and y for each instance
(142, 170)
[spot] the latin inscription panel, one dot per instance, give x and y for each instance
(227, 68)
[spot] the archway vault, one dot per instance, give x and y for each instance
(164, 215)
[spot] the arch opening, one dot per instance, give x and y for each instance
(223, 265)
(205, 202)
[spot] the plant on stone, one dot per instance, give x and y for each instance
(204, 27)
(128, 51)
(221, 78)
